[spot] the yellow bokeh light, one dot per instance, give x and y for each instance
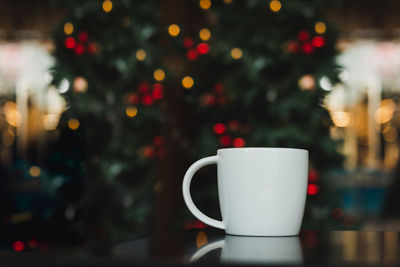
(228, 1)
(275, 5)
(174, 30)
(68, 28)
(201, 239)
(187, 82)
(50, 121)
(205, 34)
(159, 75)
(140, 54)
(320, 27)
(34, 171)
(342, 118)
(205, 4)
(390, 134)
(236, 53)
(107, 6)
(385, 112)
(131, 111)
(73, 124)
(13, 116)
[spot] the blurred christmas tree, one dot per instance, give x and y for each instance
(158, 84)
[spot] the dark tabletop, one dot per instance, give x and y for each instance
(209, 246)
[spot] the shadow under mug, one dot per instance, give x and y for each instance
(260, 250)
(262, 191)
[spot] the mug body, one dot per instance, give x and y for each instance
(262, 191)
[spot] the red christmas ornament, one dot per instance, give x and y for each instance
(293, 47)
(219, 88)
(219, 128)
(188, 42)
(92, 48)
(79, 49)
(191, 54)
(225, 140)
(157, 91)
(143, 88)
(313, 176)
(234, 125)
(158, 140)
(312, 189)
(202, 48)
(18, 246)
(307, 48)
(83, 37)
(239, 142)
(70, 42)
(147, 152)
(318, 41)
(208, 99)
(303, 35)
(147, 100)
(133, 98)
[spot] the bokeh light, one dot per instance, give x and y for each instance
(312, 189)
(219, 128)
(342, 118)
(18, 246)
(307, 82)
(70, 42)
(236, 53)
(107, 6)
(320, 27)
(159, 75)
(34, 171)
(50, 121)
(174, 30)
(187, 82)
(80, 84)
(385, 112)
(227, 1)
(202, 48)
(275, 5)
(73, 124)
(68, 28)
(318, 41)
(13, 116)
(205, 34)
(238, 142)
(389, 134)
(131, 111)
(140, 54)
(205, 4)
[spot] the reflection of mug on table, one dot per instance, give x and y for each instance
(245, 249)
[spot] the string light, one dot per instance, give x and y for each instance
(191, 54)
(83, 37)
(320, 27)
(140, 55)
(205, 4)
(131, 111)
(79, 49)
(174, 30)
(202, 48)
(68, 28)
(70, 42)
(307, 82)
(312, 189)
(275, 5)
(157, 91)
(34, 171)
(187, 82)
(236, 53)
(73, 124)
(159, 75)
(18, 246)
(219, 128)
(80, 84)
(238, 142)
(318, 41)
(107, 6)
(205, 34)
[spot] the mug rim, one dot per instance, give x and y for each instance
(261, 148)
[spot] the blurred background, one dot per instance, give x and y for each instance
(104, 105)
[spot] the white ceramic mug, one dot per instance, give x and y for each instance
(260, 250)
(262, 191)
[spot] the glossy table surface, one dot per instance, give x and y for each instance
(209, 246)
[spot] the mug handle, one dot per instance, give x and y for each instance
(186, 192)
